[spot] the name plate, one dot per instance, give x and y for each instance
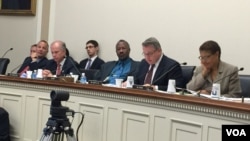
(61, 78)
(141, 87)
(13, 74)
(95, 82)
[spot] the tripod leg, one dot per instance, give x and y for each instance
(57, 137)
(70, 138)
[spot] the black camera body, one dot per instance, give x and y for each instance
(58, 120)
(58, 111)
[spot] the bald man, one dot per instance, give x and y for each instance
(61, 64)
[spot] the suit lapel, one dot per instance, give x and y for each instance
(160, 70)
(94, 63)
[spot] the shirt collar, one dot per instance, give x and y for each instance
(93, 58)
(124, 61)
(158, 61)
(62, 62)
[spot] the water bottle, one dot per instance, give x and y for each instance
(33, 76)
(83, 79)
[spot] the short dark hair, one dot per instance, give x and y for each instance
(94, 42)
(211, 46)
(34, 45)
(123, 41)
(67, 52)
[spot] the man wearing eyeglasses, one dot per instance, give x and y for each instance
(156, 69)
(93, 61)
(213, 70)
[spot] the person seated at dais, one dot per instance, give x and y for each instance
(122, 68)
(61, 64)
(213, 70)
(156, 69)
(93, 61)
(37, 58)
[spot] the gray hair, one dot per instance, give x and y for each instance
(62, 44)
(152, 41)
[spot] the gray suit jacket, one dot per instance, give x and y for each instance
(107, 68)
(230, 85)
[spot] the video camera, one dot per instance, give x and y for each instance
(58, 123)
(58, 111)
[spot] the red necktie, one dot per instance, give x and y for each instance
(149, 75)
(58, 69)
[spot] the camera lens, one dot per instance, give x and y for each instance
(59, 95)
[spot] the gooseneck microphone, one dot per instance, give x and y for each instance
(7, 52)
(14, 74)
(106, 79)
(71, 61)
(184, 63)
(241, 69)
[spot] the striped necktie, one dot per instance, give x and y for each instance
(148, 78)
(58, 69)
(89, 64)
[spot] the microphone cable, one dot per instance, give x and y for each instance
(77, 130)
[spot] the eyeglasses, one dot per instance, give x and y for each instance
(205, 57)
(89, 47)
(149, 54)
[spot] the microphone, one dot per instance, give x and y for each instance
(135, 86)
(241, 69)
(14, 74)
(106, 79)
(7, 52)
(74, 65)
(184, 63)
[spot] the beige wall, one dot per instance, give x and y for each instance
(180, 25)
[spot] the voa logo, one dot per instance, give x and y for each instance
(236, 132)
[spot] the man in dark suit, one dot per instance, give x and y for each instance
(93, 61)
(37, 58)
(122, 68)
(61, 64)
(156, 69)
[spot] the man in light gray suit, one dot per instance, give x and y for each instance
(213, 70)
(122, 68)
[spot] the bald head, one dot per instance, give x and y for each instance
(58, 50)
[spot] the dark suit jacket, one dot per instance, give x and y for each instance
(33, 65)
(70, 65)
(96, 65)
(107, 68)
(167, 69)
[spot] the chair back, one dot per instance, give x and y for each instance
(3, 65)
(4, 125)
(245, 85)
(89, 73)
(187, 73)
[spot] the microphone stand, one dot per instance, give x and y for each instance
(7, 52)
(14, 74)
